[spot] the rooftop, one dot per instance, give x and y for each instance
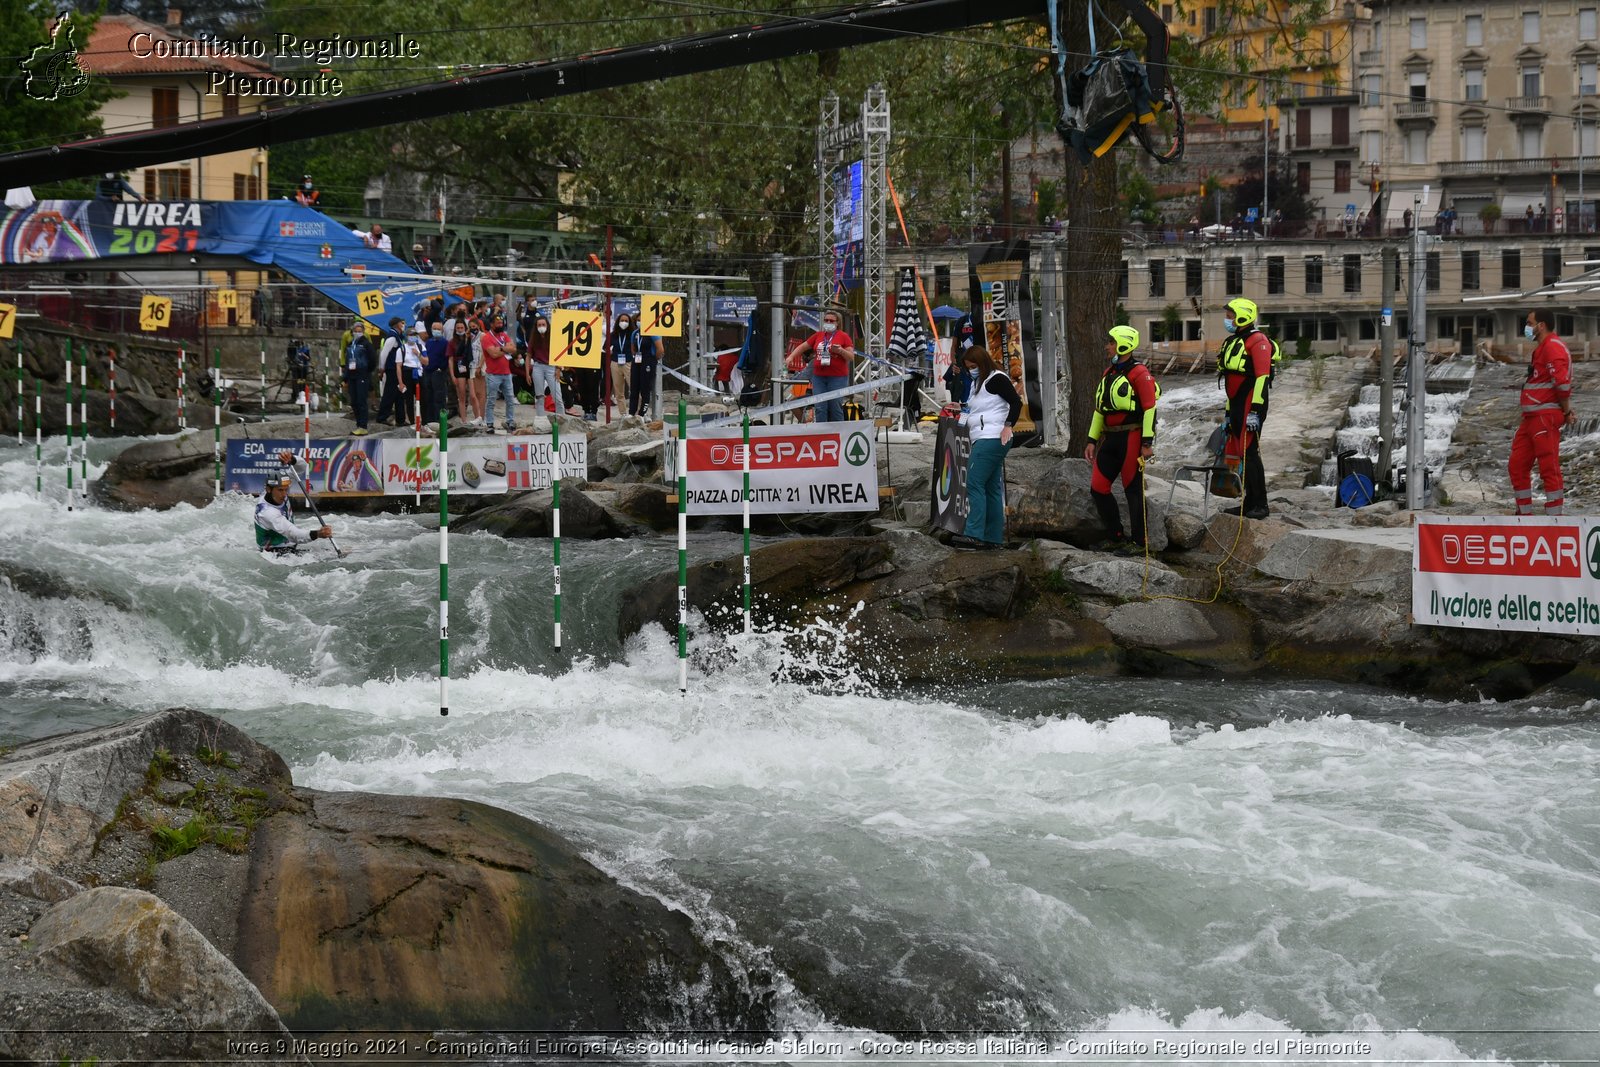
(112, 51)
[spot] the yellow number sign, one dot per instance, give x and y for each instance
(155, 313)
(577, 339)
(661, 315)
(227, 299)
(370, 302)
(8, 321)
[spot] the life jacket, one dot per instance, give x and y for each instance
(271, 540)
(1116, 393)
(1233, 359)
(1104, 99)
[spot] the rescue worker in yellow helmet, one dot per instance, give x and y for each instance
(1121, 437)
(1244, 366)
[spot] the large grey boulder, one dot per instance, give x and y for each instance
(1054, 500)
(1160, 624)
(583, 516)
(1361, 560)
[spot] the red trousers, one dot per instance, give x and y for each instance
(1538, 440)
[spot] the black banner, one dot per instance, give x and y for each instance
(1002, 300)
(951, 451)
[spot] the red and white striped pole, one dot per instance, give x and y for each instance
(183, 423)
(416, 434)
(83, 422)
(111, 382)
(307, 402)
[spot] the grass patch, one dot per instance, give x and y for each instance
(216, 757)
(162, 765)
(171, 843)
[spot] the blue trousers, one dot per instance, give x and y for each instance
(830, 406)
(986, 491)
(359, 384)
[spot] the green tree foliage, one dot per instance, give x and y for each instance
(26, 122)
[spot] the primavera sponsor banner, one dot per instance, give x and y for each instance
(339, 467)
(1507, 573)
(482, 468)
(820, 467)
(951, 451)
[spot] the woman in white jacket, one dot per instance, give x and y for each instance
(992, 409)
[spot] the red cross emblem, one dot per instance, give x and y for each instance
(285, 229)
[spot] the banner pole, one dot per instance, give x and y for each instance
(416, 434)
(683, 547)
(216, 412)
(83, 425)
(746, 466)
(69, 423)
(111, 384)
(444, 562)
(555, 521)
(263, 381)
(183, 423)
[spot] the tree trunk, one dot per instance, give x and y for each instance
(1092, 252)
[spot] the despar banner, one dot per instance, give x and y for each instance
(951, 450)
(1002, 298)
(480, 468)
(338, 467)
(819, 467)
(1507, 573)
(302, 242)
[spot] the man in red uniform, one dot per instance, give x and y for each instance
(1546, 408)
(1245, 364)
(1121, 437)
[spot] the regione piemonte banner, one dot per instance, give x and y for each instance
(1507, 573)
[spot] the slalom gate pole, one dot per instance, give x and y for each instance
(306, 402)
(83, 426)
(305, 491)
(183, 422)
(38, 438)
(555, 522)
(263, 381)
(69, 423)
(416, 435)
(216, 412)
(19, 394)
(444, 562)
(683, 547)
(746, 523)
(111, 384)
(327, 384)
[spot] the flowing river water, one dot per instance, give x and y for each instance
(1135, 860)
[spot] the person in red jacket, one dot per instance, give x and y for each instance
(1546, 408)
(1121, 437)
(830, 349)
(1245, 365)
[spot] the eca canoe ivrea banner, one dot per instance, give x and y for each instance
(821, 467)
(1507, 573)
(338, 467)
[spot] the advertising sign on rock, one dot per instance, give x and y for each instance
(951, 451)
(824, 467)
(339, 467)
(506, 465)
(1507, 573)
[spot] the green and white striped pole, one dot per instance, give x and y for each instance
(444, 563)
(183, 419)
(683, 547)
(19, 394)
(746, 466)
(555, 522)
(68, 383)
(216, 412)
(38, 438)
(111, 386)
(263, 381)
(327, 385)
(83, 426)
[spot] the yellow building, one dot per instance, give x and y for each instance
(1284, 58)
(158, 86)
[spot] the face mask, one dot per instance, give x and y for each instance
(308, 185)
(622, 324)
(972, 372)
(542, 328)
(830, 327)
(1230, 326)
(1527, 331)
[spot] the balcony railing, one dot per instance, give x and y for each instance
(1528, 104)
(1415, 110)
(1321, 140)
(1472, 168)
(1372, 57)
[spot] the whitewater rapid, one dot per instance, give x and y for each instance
(1099, 860)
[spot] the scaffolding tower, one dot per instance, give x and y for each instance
(870, 132)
